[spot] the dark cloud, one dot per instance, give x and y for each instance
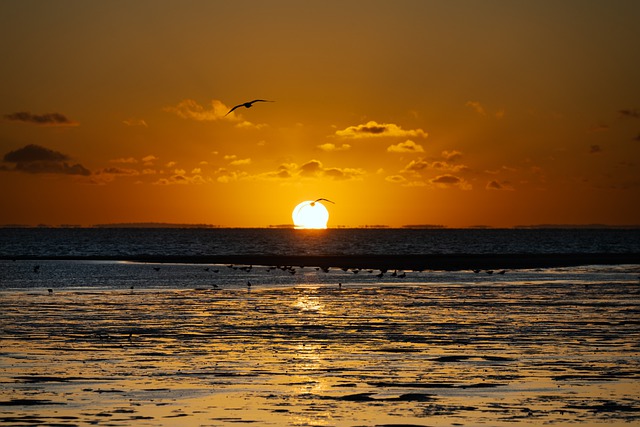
(49, 119)
(631, 113)
(495, 185)
(446, 179)
(595, 149)
(36, 159)
(311, 168)
(34, 153)
(637, 138)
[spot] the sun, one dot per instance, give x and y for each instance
(310, 214)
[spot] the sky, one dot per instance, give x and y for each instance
(457, 113)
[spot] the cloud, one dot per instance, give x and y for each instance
(445, 181)
(477, 107)
(495, 185)
(451, 155)
(595, 149)
(480, 109)
(181, 179)
(311, 168)
(36, 159)
(406, 147)
(148, 160)
(416, 166)
(373, 129)
(396, 179)
(248, 125)
(631, 113)
(49, 119)
(240, 162)
(124, 160)
(119, 171)
(190, 109)
(109, 174)
(333, 147)
(235, 161)
(135, 122)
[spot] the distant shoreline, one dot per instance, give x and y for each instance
(154, 225)
(449, 262)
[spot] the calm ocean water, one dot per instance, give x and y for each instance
(88, 243)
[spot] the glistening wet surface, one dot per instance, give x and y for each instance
(363, 354)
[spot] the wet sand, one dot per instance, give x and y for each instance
(359, 355)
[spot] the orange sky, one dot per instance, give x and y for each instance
(458, 113)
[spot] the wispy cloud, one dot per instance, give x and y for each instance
(477, 107)
(181, 179)
(36, 159)
(406, 147)
(310, 170)
(630, 113)
(496, 185)
(135, 122)
(482, 111)
(240, 162)
(190, 109)
(48, 119)
(373, 129)
(420, 165)
(595, 149)
(333, 147)
(124, 160)
(452, 155)
(149, 160)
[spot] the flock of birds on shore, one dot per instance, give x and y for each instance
(400, 274)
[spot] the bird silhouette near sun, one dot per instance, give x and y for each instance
(311, 214)
(247, 105)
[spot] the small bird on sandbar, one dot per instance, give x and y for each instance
(318, 200)
(247, 105)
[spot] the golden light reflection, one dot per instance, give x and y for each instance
(307, 303)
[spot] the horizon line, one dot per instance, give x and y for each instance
(168, 225)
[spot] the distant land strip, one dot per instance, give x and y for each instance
(449, 262)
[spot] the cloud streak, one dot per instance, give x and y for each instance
(48, 119)
(36, 159)
(190, 109)
(630, 113)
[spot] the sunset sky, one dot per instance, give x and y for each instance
(458, 113)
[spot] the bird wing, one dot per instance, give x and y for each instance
(230, 111)
(326, 200)
(259, 100)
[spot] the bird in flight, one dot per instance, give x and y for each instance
(317, 200)
(247, 105)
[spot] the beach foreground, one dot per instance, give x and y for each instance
(323, 355)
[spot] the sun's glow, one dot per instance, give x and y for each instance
(309, 214)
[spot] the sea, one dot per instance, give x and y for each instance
(24, 249)
(89, 337)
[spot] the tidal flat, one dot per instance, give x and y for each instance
(405, 354)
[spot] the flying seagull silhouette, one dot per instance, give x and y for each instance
(317, 200)
(247, 105)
